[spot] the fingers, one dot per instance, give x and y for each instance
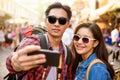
(15, 63)
(35, 62)
(29, 67)
(32, 64)
(28, 49)
(21, 61)
(31, 61)
(27, 62)
(31, 58)
(34, 59)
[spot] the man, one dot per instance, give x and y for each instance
(57, 20)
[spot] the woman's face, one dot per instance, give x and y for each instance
(83, 46)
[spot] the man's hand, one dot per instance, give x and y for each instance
(22, 62)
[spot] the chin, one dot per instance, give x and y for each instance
(80, 52)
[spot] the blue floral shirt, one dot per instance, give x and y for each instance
(97, 72)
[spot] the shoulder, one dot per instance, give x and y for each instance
(98, 66)
(100, 71)
(30, 40)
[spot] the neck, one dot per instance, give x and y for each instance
(85, 56)
(54, 41)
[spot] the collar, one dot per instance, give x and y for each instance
(61, 49)
(84, 64)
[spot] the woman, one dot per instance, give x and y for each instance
(88, 44)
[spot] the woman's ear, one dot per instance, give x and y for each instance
(96, 43)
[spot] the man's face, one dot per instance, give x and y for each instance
(56, 22)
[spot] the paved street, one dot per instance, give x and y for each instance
(4, 53)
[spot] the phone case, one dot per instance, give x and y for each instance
(52, 57)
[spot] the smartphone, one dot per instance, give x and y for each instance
(52, 57)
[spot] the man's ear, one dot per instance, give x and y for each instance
(68, 23)
(45, 20)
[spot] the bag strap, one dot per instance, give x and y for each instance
(14, 76)
(69, 57)
(90, 65)
(43, 41)
(68, 54)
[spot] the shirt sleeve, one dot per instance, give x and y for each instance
(31, 40)
(99, 72)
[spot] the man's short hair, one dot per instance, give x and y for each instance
(59, 5)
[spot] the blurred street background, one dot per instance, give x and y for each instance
(3, 55)
(18, 15)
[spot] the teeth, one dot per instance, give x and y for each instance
(80, 47)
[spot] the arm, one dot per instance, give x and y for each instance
(19, 61)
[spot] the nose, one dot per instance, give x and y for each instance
(56, 23)
(80, 40)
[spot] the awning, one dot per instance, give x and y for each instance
(4, 16)
(107, 10)
(16, 20)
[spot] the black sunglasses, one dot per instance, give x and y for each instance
(84, 39)
(53, 19)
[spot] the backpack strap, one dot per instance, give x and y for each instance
(90, 65)
(38, 30)
(43, 41)
(14, 76)
(68, 55)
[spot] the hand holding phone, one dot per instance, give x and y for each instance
(52, 57)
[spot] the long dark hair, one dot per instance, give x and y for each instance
(100, 50)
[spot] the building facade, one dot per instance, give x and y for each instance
(9, 9)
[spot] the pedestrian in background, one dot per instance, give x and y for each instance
(67, 36)
(115, 36)
(88, 44)
(2, 37)
(115, 43)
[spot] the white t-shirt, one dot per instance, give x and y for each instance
(115, 35)
(67, 36)
(2, 38)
